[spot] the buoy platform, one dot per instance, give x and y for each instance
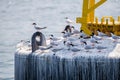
(107, 25)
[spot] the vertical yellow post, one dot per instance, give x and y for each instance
(102, 21)
(107, 29)
(89, 7)
(85, 17)
(96, 20)
(91, 14)
(118, 18)
(96, 23)
(113, 25)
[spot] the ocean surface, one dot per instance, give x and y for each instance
(17, 16)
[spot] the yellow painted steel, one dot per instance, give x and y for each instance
(96, 20)
(90, 23)
(107, 17)
(85, 17)
(91, 14)
(118, 18)
(107, 25)
(89, 7)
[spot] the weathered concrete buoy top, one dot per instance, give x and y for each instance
(106, 47)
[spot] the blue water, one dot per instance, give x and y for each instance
(17, 16)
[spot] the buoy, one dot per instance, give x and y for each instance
(86, 66)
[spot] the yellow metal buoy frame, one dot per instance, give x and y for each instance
(89, 23)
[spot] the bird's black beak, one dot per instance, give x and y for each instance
(80, 37)
(51, 35)
(64, 42)
(85, 43)
(63, 32)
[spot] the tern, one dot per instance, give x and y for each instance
(100, 48)
(100, 33)
(24, 45)
(93, 40)
(75, 31)
(75, 49)
(96, 37)
(83, 34)
(53, 38)
(88, 47)
(114, 36)
(68, 20)
(38, 28)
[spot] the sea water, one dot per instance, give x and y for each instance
(17, 16)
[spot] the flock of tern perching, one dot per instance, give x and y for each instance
(73, 41)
